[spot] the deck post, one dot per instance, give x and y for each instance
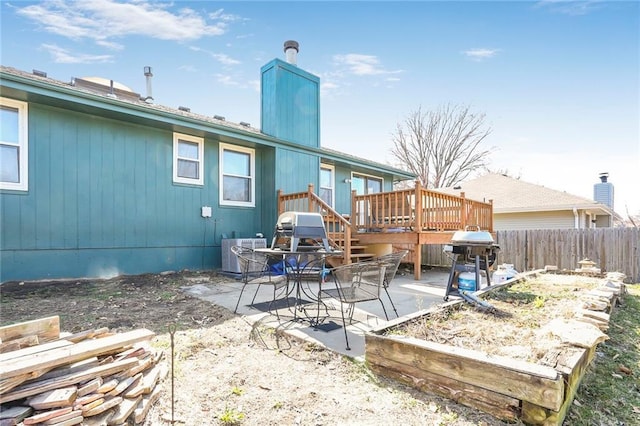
(418, 207)
(280, 202)
(309, 198)
(463, 211)
(417, 261)
(491, 216)
(354, 213)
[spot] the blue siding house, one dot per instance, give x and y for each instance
(97, 181)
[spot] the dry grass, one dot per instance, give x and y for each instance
(514, 327)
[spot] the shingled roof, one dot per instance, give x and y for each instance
(511, 195)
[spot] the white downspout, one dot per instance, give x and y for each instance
(576, 219)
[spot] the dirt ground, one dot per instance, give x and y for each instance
(226, 371)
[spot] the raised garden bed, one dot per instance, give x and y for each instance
(521, 358)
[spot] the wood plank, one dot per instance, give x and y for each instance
(108, 385)
(80, 336)
(90, 387)
(99, 420)
(124, 385)
(496, 404)
(69, 354)
(142, 366)
(64, 419)
(43, 347)
(86, 400)
(17, 414)
(124, 410)
(57, 398)
(47, 329)
(70, 368)
(91, 405)
(70, 422)
(39, 418)
(522, 380)
(131, 353)
(145, 405)
(146, 385)
(107, 404)
(35, 388)
(19, 343)
(8, 384)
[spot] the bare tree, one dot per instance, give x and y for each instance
(441, 147)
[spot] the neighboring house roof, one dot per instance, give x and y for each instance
(177, 117)
(511, 195)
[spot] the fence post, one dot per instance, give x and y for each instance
(280, 202)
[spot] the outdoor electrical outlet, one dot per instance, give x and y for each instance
(206, 211)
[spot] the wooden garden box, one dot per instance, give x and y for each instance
(507, 388)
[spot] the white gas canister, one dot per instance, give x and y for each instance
(504, 273)
(511, 272)
(500, 275)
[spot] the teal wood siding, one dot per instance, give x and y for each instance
(290, 103)
(102, 202)
(267, 196)
(343, 190)
(296, 170)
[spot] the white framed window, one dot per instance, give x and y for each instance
(327, 184)
(14, 145)
(237, 176)
(188, 159)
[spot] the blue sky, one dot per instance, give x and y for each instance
(558, 81)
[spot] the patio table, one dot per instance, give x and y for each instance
(299, 265)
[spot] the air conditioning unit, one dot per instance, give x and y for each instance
(229, 260)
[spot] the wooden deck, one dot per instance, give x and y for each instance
(407, 218)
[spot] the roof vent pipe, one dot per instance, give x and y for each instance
(291, 49)
(148, 74)
(111, 93)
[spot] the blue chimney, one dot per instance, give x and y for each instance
(290, 100)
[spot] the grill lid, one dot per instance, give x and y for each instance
(472, 237)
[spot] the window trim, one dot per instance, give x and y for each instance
(252, 170)
(332, 169)
(380, 178)
(177, 137)
(23, 145)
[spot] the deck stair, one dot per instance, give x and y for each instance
(358, 252)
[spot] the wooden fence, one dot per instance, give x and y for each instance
(612, 249)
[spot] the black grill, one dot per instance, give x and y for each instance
(470, 251)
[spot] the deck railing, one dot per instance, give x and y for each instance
(338, 227)
(408, 210)
(418, 209)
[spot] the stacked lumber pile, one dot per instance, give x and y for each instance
(90, 378)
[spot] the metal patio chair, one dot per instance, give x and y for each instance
(256, 270)
(356, 282)
(391, 262)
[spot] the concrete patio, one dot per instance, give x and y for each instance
(409, 296)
